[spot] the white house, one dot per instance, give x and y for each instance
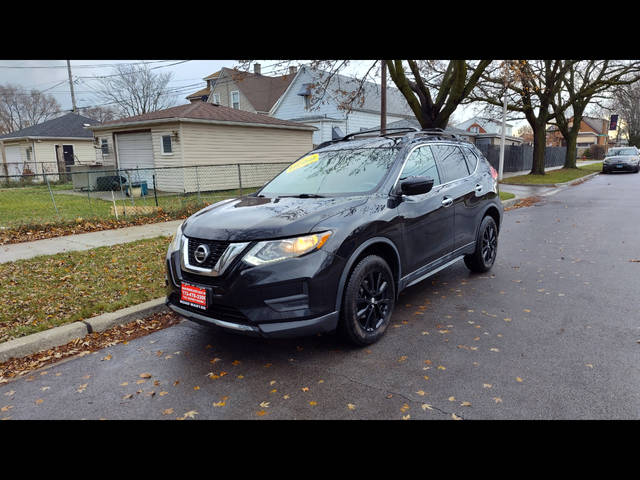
(295, 105)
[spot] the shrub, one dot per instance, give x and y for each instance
(596, 152)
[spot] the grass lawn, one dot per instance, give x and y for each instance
(32, 205)
(506, 195)
(52, 290)
(554, 176)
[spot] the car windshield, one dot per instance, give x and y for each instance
(333, 172)
(621, 151)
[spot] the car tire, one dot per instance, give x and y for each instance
(486, 251)
(368, 302)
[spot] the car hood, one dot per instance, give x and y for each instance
(262, 218)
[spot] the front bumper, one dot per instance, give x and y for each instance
(294, 297)
(619, 167)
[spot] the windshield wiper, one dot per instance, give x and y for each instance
(302, 195)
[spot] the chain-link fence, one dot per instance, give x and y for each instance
(100, 193)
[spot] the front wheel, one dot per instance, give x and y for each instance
(368, 301)
(484, 256)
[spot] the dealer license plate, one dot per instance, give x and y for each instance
(193, 296)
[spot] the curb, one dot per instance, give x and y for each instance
(511, 201)
(570, 182)
(55, 337)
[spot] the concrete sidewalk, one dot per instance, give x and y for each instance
(86, 241)
(523, 191)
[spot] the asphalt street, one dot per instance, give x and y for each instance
(551, 332)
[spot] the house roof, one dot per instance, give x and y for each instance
(260, 90)
(199, 93)
(203, 112)
(596, 123)
(482, 121)
(70, 125)
(396, 102)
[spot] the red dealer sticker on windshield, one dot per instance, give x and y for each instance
(193, 295)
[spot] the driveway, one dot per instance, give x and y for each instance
(550, 333)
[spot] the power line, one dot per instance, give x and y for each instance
(102, 65)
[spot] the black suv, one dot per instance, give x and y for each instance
(333, 239)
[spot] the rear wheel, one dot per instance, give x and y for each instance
(368, 301)
(486, 247)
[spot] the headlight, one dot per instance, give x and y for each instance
(271, 251)
(175, 244)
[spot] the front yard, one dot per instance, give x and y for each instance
(554, 176)
(48, 291)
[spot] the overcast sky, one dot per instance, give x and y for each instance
(51, 77)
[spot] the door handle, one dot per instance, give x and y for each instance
(447, 201)
(478, 188)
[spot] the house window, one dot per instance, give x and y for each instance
(166, 145)
(235, 99)
(475, 129)
(28, 150)
(216, 98)
(104, 146)
(306, 101)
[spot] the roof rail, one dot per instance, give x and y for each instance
(436, 132)
(390, 130)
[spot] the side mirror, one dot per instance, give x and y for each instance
(416, 185)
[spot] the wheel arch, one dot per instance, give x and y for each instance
(380, 246)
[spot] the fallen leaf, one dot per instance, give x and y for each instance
(168, 411)
(190, 414)
(312, 403)
(264, 404)
(518, 379)
(455, 417)
(426, 406)
(145, 375)
(465, 404)
(351, 406)
(452, 399)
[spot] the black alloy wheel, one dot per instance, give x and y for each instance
(368, 302)
(486, 251)
(489, 244)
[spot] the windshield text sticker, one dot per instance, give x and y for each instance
(303, 162)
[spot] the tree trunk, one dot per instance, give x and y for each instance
(539, 145)
(572, 150)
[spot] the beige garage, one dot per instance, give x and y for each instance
(228, 146)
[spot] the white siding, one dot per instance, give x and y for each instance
(226, 146)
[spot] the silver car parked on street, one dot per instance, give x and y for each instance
(622, 159)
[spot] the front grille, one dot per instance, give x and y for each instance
(216, 248)
(217, 311)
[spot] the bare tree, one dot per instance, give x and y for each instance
(136, 89)
(585, 81)
(530, 86)
(20, 108)
(433, 89)
(100, 114)
(625, 102)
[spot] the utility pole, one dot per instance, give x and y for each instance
(502, 135)
(73, 97)
(383, 99)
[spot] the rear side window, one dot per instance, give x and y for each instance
(421, 164)
(451, 162)
(472, 159)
